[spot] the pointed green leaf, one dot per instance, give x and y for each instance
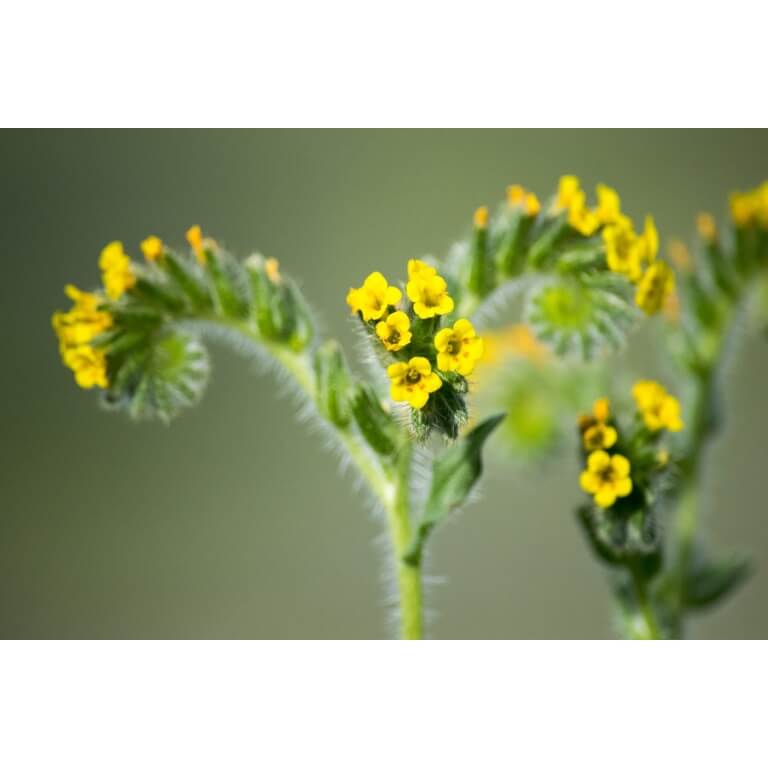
(454, 473)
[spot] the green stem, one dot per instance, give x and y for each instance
(644, 604)
(393, 492)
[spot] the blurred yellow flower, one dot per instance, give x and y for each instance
(658, 408)
(116, 271)
(655, 287)
(606, 478)
(152, 248)
(458, 348)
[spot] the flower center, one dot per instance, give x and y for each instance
(413, 376)
(394, 336)
(454, 347)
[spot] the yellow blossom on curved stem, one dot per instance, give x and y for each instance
(608, 209)
(116, 271)
(195, 240)
(152, 248)
(429, 294)
(621, 253)
(373, 297)
(606, 478)
(595, 431)
(394, 331)
(89, 366)
(413, 382)
(658, 408)
(518, 197)
(458, 348)
(419, 269)
(583, 220)
(480, 219)
(655, 287)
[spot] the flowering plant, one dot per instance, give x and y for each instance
(409, 424)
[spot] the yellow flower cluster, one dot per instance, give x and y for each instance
(572, 198)
(658, 409)
(605, 477)
(751, 207)
(76, 330)
(455, 349)
(116, 271)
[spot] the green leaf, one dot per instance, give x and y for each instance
(333, 383)
(378, 427)
(709, 581)
(454, 473)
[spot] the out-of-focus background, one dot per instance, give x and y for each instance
(233, 522)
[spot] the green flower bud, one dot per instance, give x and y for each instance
(333, 384)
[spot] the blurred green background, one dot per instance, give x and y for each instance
(234, 522)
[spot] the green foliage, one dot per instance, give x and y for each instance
(454, 474)
(708, 581)
(377, 426)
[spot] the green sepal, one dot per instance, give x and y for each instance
(510, 256)
(454, 474)
(333, 384)
(230, 284)
(376, 425)
(189, 279)
(297, 325)
(546, 240)
(152, 293)
(480, 267)
(264, 291)
(445, 411)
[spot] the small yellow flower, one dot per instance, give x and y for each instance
(517, 197)
(648, 243)
(272, 269)
(152, 248)
(568, 190)
(89, 366)
(195, 240)
(413, 382)
(429, 294)
(680, 256)
(580, 217)
(394, 331)
(608, 209)
(658, 408)
(621, 252)
(599, 436)
(83, 323)
(374, 297)
(744, 208)
(655, 287)
(706, 227)
(480, 219)
(116, 271)
(458, 348)
(606, 478)
(418, 269)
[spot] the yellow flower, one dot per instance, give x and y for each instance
(89, 366)
(580, 217)
(83, 322)
(621, 252)
(413, 382)
(608, 205)
(706, 227)
(595, 431)
(517, 197)
(458, 348)
(744, 207)
(195, 240)
(659, 409)
(599, 436)
(648, 243)
(606, 478)
(418, 268)
(655, 287)
(152, 248)
(272, 269)
(429, 294)
(568, 190)
(116, 271)
(480, 218)
(374, 297)
(394, 331)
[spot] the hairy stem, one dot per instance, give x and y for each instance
(392, 489)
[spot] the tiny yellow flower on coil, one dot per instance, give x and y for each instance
(517, 197)
(458, 348)
(621, 252)
(480, 219)
(744, 208)
(152, 248)
(89, 366)
(655, 287)
(429, 294)
(272, 270)
(608, 209)
(116, 271)
(606, 478)
(658, 408)
(706, 227)
(394, 331)
(195, 239)
(413, 382)
(584, 221)
(374, 297)
(568, 190)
